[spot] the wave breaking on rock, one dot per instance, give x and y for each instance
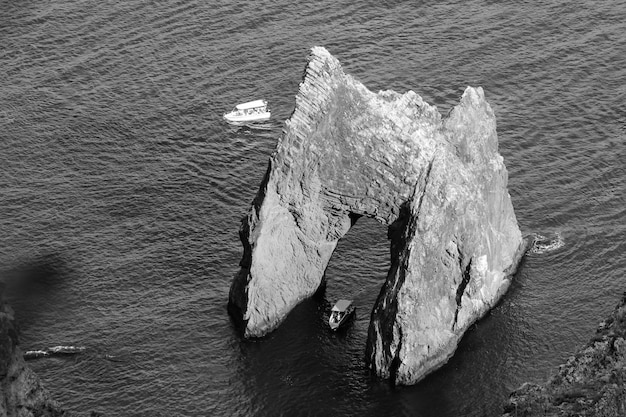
(542, 244)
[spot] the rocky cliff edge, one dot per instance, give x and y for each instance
(21, 392)
(592, 383)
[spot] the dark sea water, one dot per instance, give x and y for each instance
(121, 185)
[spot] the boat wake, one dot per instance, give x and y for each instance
(542, 244)
(54, 351)
(251, 126)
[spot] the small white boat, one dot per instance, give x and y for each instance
(340, 313)
(252, 111)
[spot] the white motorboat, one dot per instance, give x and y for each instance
(340, 313)
(252, 111)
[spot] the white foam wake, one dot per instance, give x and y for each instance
(542, 244)
(52, 351)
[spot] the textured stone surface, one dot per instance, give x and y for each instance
(591, 383)
(22, 394)
(440, 186)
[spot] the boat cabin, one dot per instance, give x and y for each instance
(247, 112)
(340, 313)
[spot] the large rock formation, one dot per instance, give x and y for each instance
(21, 392)
(591, 383)
(440, 186)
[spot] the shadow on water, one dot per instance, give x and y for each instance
(304, 362)
(302, 353)
(34, 283)
(489, 342)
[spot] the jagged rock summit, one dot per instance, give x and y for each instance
(439, 184)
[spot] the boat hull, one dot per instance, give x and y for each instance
(247, 118)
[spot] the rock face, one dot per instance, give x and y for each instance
(439, 184)
(591, 383)
(22, 394)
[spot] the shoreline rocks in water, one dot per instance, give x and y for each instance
(439, 184)
(22, 393)
(590, 383)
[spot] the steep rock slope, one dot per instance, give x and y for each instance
(440, 186)
(591, 383)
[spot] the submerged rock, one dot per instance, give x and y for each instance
(439, 184)
(591, 383)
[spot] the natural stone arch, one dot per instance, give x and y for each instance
(439, 185)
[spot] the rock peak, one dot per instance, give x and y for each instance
(321, 53)
(440, 186)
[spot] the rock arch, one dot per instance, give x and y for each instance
(440, 186)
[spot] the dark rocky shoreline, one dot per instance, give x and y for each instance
(590, 383)
(22, 393)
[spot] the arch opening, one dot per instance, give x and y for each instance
(359, 266)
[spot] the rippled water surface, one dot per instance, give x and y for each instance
(119, 180)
